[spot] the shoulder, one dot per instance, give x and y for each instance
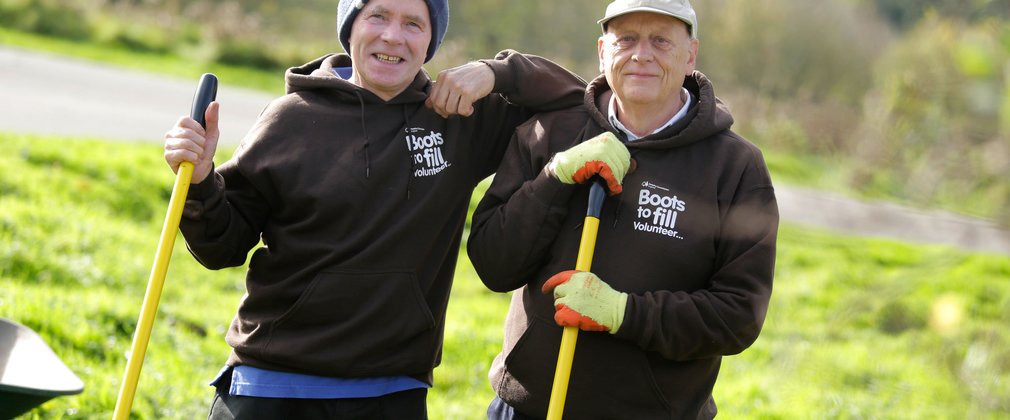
(544, 124)
(744, 154)
(732, 143)
(294, 110)
(547, 133)
(286, 104)
(282, 115)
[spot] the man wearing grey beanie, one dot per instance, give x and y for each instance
(357, 184)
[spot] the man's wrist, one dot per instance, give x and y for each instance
(504, 81)
(621, 307)
(551, 168)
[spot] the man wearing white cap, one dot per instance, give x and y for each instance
(682, 272)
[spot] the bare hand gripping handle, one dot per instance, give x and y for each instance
(205, 94)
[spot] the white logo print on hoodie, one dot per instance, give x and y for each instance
(658, 210)
(425, 147)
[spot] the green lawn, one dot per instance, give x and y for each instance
(857, 328)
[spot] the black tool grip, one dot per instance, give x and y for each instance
(597, 192)
(206, 92)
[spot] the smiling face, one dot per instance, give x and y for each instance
(389, 40)
(645, 57)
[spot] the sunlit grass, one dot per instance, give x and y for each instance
(857, 328)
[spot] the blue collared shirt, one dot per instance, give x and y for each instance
(685, 95)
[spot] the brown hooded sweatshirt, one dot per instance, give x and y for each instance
(691, 240)
(360, 204)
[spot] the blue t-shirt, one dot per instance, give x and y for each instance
(343, 72)
(249, 381)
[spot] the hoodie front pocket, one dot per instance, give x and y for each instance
(610, 378)
(350, 323)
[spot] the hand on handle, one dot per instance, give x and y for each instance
(603, 155)
(190, 142)
(194, 138)
(584, 301)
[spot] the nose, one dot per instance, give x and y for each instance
(391, 34)
(642, 52)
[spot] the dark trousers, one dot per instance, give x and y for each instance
(500, 410)
(409, 404)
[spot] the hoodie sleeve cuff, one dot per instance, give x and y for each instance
(550, 191)
(206, 188)
(628, 330)
(203, 196)
(504, 76)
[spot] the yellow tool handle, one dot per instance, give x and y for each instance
(559, 390)
(206, 92)
(153, 295)
(566, 354)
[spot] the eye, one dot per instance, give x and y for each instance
(414, 26)
(376, 18)
(625, 41)
(661, 43)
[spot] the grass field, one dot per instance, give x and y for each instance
(857, 328)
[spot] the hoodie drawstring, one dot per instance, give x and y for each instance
(364, 130)
(617, 214)
(410, 157)
(620, 199)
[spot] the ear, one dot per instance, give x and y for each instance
(692, 60)
(599, 50)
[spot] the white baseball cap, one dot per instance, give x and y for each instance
(680, 9)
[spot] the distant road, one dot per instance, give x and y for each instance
(46, 94)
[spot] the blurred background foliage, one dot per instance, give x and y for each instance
(906, 99)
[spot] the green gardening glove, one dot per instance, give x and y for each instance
(583, 300)
(603, 155)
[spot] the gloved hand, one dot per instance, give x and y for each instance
(603, 155)
(582, 300)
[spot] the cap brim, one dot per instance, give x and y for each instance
(603, 22)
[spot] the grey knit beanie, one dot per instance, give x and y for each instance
(347, 10)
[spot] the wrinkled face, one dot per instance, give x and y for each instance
(389, 40)
(645, 57)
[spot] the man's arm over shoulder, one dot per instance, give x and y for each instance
(535, 82)
(523, 80)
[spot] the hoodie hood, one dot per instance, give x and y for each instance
(319, 74)
(707, 116)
